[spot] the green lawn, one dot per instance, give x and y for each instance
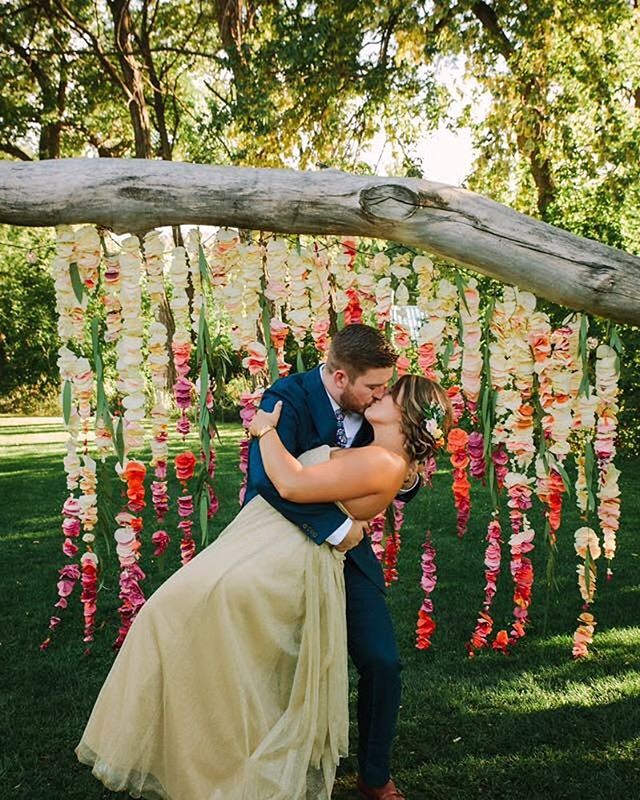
(533, 725)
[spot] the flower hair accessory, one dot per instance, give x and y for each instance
(433, 418)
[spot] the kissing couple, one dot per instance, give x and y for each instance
(232, 683)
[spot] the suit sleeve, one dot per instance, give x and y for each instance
(405, 497)
(316, 520)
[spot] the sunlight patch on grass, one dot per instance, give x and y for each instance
(16, 537)
(629, 637)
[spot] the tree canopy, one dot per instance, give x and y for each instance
(274, 83)
(553, 96)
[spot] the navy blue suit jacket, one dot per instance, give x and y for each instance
(307, 420)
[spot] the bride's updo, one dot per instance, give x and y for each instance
(427, 414)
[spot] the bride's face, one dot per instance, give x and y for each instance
(385, 412)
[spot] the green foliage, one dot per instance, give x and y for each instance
(310, 83)
(560, 137)
(314, 81)
(270, 84)
(28, 332)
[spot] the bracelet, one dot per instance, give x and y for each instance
(264, 430)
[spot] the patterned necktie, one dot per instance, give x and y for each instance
(341, 434)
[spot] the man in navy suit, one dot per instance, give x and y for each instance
(325, 406)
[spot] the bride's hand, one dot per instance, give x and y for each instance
(263, 419)
(410, 478)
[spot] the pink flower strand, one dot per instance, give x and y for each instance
(89, 595)
(320, 333)
(160, 498)
(160, 540)
(69, 576)
(427, 358)
(477, 467)
(403, 365)
(127, 547)
(492, 558)
(69, 573)
(132, 600)
(183, 387)
(377, 535)
(181, 355)
(500, 460)
(249, 403)
(187, 542)
(426, 624)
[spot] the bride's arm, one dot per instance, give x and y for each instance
(361, 472)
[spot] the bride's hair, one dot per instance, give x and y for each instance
(427, 415)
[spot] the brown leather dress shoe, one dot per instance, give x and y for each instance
(387, 792)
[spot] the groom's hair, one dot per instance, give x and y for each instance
(358, 348)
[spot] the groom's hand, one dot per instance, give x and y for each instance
(354, 537)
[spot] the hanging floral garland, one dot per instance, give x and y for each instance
(158, 361)
(426, 624)
(533, 407)
(607, 374)
(71, 305)
(492, 560)
(511, 373)
(249, 404)
(393, 543)
(130, 434)
(472, 359)
(588, 548)
(320, 297)
(457, 446)
(403, 346)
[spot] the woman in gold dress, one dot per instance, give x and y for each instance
(232, 682)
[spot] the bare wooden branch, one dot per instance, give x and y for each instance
(127, 195)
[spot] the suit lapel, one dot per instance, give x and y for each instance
(320, 407)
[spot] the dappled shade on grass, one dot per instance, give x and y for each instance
(534, 724)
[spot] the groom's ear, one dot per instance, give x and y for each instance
(341, 379)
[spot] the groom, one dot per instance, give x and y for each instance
(325, 406)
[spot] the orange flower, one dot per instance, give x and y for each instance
(459, 460)
(136, 524)
(134, 472)
(457, 439)
(185, 465)
(501, 641)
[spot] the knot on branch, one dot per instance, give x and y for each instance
(388, 201)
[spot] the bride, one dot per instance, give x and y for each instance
(232, 682)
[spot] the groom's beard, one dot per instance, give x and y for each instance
(349, 401)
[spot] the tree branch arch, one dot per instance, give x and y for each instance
(472, 230)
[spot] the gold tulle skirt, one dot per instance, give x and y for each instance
(232, 682)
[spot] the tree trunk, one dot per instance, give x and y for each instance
(132, 76)
(129, 195)
(532, 140)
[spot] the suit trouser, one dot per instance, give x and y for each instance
(372, 647)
